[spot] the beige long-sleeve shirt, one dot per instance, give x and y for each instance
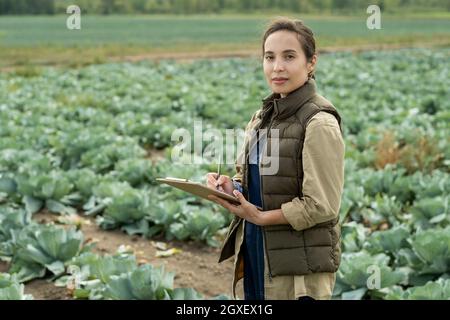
(323, 182)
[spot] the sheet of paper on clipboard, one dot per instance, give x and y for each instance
(197, 189)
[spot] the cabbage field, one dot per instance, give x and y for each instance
(80, 142)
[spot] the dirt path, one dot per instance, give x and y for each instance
(196, 266)
(186, 57)
(191, 56)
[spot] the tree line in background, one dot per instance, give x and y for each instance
(214, 6)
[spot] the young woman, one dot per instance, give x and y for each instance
(285, 235)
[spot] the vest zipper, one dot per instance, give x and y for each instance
(261, 195)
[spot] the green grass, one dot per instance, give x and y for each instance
(45, 39)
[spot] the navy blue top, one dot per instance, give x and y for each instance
(253, 242)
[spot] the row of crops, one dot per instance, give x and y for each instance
(61, 254)
(78, 141)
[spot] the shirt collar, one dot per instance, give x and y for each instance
(287, 106)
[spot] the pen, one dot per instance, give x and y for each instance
(218, 172)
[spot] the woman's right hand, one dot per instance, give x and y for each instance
(224, 184)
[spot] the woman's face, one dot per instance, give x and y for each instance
(285, 65)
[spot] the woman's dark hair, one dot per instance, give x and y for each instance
(304, 33)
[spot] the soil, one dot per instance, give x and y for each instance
(195, 266)
(188, 57)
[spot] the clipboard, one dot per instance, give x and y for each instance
(197, 189)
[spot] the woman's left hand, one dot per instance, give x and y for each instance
(245, 210)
